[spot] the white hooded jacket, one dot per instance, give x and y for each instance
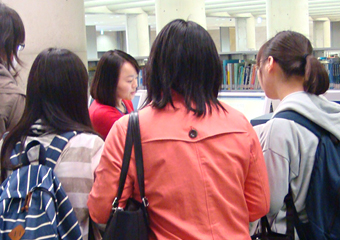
(289, 151)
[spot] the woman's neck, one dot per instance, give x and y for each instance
(291, 85)
(121, 106)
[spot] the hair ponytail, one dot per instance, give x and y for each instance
(316, 77)
(293, 52)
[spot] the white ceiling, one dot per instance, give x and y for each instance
(109, 15)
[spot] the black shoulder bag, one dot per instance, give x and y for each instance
(131, 222)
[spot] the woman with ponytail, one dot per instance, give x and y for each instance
(288, 71)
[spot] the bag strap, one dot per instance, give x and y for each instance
(302, 120)
(47, 157)
(292, 215)
(56, 147)
(125, 164)
(266, 229)
(138, 156)
(132, 138)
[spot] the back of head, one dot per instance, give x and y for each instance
(12, 35)
(56, 94)
(294, 53)
(184, 59)
(57, 89)
(105, 80)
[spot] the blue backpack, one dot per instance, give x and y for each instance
(323, 196)
(33, 204)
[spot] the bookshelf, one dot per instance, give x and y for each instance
(241, 55)
(240, 73)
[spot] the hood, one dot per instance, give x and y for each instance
(7, 83)
(316, 108)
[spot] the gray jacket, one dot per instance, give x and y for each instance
(289, 151)
(12, 100)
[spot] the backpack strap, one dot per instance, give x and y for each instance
(302, 120)
(292, 215)
(56, 147)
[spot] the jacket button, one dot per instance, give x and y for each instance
(192, 133)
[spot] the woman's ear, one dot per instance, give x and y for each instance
(270, 63)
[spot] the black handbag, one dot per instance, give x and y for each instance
(131, 222)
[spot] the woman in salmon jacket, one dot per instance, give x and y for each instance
(205, 176)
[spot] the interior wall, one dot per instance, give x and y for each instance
(261, 36)
(107, 41)
(215, 35)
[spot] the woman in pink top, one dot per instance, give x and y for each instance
(114, 86)
(205, 176)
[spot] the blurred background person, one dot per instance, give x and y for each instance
(113, 87)
(12, 41)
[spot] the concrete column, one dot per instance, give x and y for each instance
(225, 39)
(241, 34)
(168, 10)
(137, 34)
(322, 33)
(327, 33)
(287, 15)
(251, 40)
(91, 42)
(52, 23)
(245, 34)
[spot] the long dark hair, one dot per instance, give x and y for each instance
(105, 80)
(56, 94)
(12, 34)
(294, 53)
(184, 59)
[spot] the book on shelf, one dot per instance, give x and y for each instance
(332, 66)
(228, 73)
(239, 75)
(334, 73)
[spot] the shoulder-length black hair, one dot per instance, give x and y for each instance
(105, 81)
(294, 54)
(184, 59)
(56, 94)
(12, 35)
